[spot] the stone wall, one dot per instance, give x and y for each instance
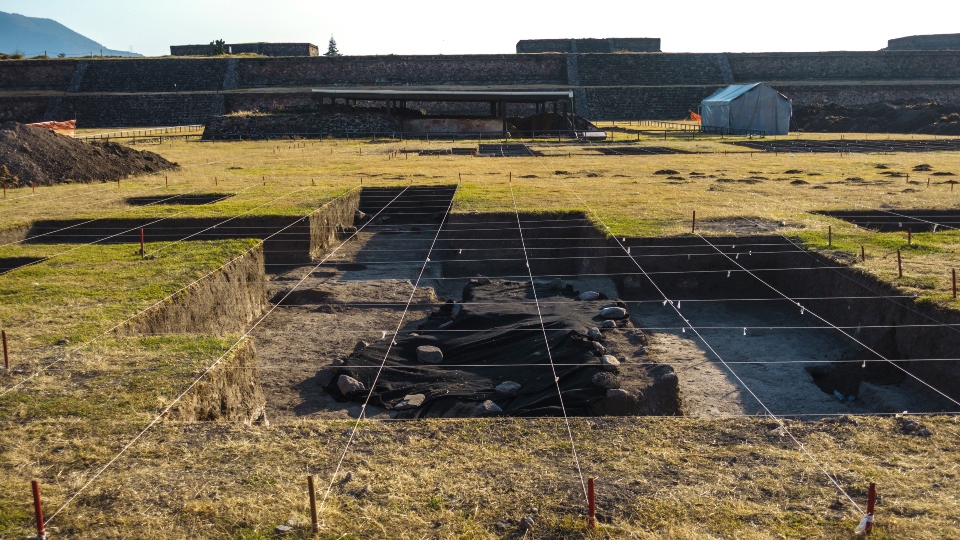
(112, 110)
(24, 109)
(608, 45)
(880, 65)
(932, 42)
(648, 69)
(154, 75)
(265, 49)
(402, 70)
(36, 74)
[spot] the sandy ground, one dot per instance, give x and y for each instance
(709, 388)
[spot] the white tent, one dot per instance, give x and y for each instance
(742, 107)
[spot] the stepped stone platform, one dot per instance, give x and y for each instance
(621, 86)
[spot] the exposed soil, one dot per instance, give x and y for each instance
(44, 158)
(931, 118)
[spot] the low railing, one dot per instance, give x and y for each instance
(140, 133)
(412, 135)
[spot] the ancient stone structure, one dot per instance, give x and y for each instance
(621, 86)
(931, 42)
(264, 49)
(608, 45)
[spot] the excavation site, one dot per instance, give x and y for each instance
(635, 327)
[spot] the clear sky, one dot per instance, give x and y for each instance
(494, 26)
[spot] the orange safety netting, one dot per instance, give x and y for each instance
(695, 116)
(68, 127)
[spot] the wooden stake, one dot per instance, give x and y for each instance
(909, 236)
(6, 355)
(591, 504)
(166, 180)
(871, 503)
(33, 187)
(314, 518)
(954, 291)
(38, 510)
(829, 236)
(141, 244)
(863, 255)
(216, 181)
(693, 227)
(899, 263)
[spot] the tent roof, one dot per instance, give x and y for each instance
(732, 92)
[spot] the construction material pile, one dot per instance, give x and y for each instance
(930, 118)
(43, 158)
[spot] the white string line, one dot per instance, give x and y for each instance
(373, 385)
(546, 343)
(114, 369)
(190, 387)
(920, 219)
(84, 345)
(88, 244)
(95, 219)
(727, 366)
(184, 239)
(855, 340)
(56, 199)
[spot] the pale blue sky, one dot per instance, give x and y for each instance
(494, 26)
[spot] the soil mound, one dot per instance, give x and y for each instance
(929, 118)
(490, 348)
(41, 156)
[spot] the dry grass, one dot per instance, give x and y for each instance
(657, 477)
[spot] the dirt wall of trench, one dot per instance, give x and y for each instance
(225, 302)
(230, 392)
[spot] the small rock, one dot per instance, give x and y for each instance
(361, 345)
(589, 295)
(349, 230)
(924, 432)
(507, 388)
(428, 354)
(367, 490)
(457, 308)
(410, 401)
(533, 510)
(487, 408)
(617, 393)
(908, 426)
(594, 334)
(556, 284)
(63, 341)
(360, 216)
(347, 477)
(349, 386)
(608, 324)
(597, 347)
(605, 380)
(283, 529)
(613, 313)
(937, 484)
(527, 523)
(609, 362)
(483, 280)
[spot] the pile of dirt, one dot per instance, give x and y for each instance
(492, 347)
(40, 156)
(930, 118)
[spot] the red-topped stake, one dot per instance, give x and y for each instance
(314, 518)
(591, 505)
(38, 511)
(871, 503)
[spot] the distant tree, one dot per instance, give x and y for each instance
(332, 48)
(219, 47)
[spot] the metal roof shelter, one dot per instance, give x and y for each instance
(397, 99)
(747, 108)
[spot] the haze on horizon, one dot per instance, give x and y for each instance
(435, 27)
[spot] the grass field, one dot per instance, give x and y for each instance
(657, 477)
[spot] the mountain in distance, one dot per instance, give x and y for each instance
(32, 36)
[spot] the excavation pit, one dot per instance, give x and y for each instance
(894, 220)
(188, 199)
(777, 356)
